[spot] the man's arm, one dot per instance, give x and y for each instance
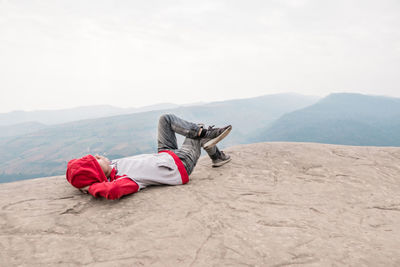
(114, 189)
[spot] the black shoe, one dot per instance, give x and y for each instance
(221, 159)
(214, 135)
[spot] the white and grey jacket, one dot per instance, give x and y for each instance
(152, 169)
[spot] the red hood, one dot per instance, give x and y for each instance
(85, 171)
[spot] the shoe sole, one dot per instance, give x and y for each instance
(219, 164)
(214, 141)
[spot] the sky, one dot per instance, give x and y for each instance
(57, 54)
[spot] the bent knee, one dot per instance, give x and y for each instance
(165, 117)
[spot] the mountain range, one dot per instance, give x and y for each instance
(46, 151)
(346, 119)
(33, 149)
(50, 117)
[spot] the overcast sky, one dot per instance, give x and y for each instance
(60, 54)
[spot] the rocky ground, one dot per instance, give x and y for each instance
(275, 204)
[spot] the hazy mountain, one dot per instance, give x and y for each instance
(159, 106)
(46, 152)
(349, 119)
(73, 114)
(20, 128)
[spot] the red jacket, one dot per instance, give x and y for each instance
(86, 171)
(118, 186)
(143, 170)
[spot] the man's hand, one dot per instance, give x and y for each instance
(85, 189)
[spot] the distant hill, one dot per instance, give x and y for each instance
(347, 119)
(73, 114)
(20, 129)
(46, 152)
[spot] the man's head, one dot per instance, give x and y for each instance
(104, 164)
(87, 170)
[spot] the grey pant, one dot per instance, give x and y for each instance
(189, 152)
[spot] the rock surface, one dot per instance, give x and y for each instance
(275, 204)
